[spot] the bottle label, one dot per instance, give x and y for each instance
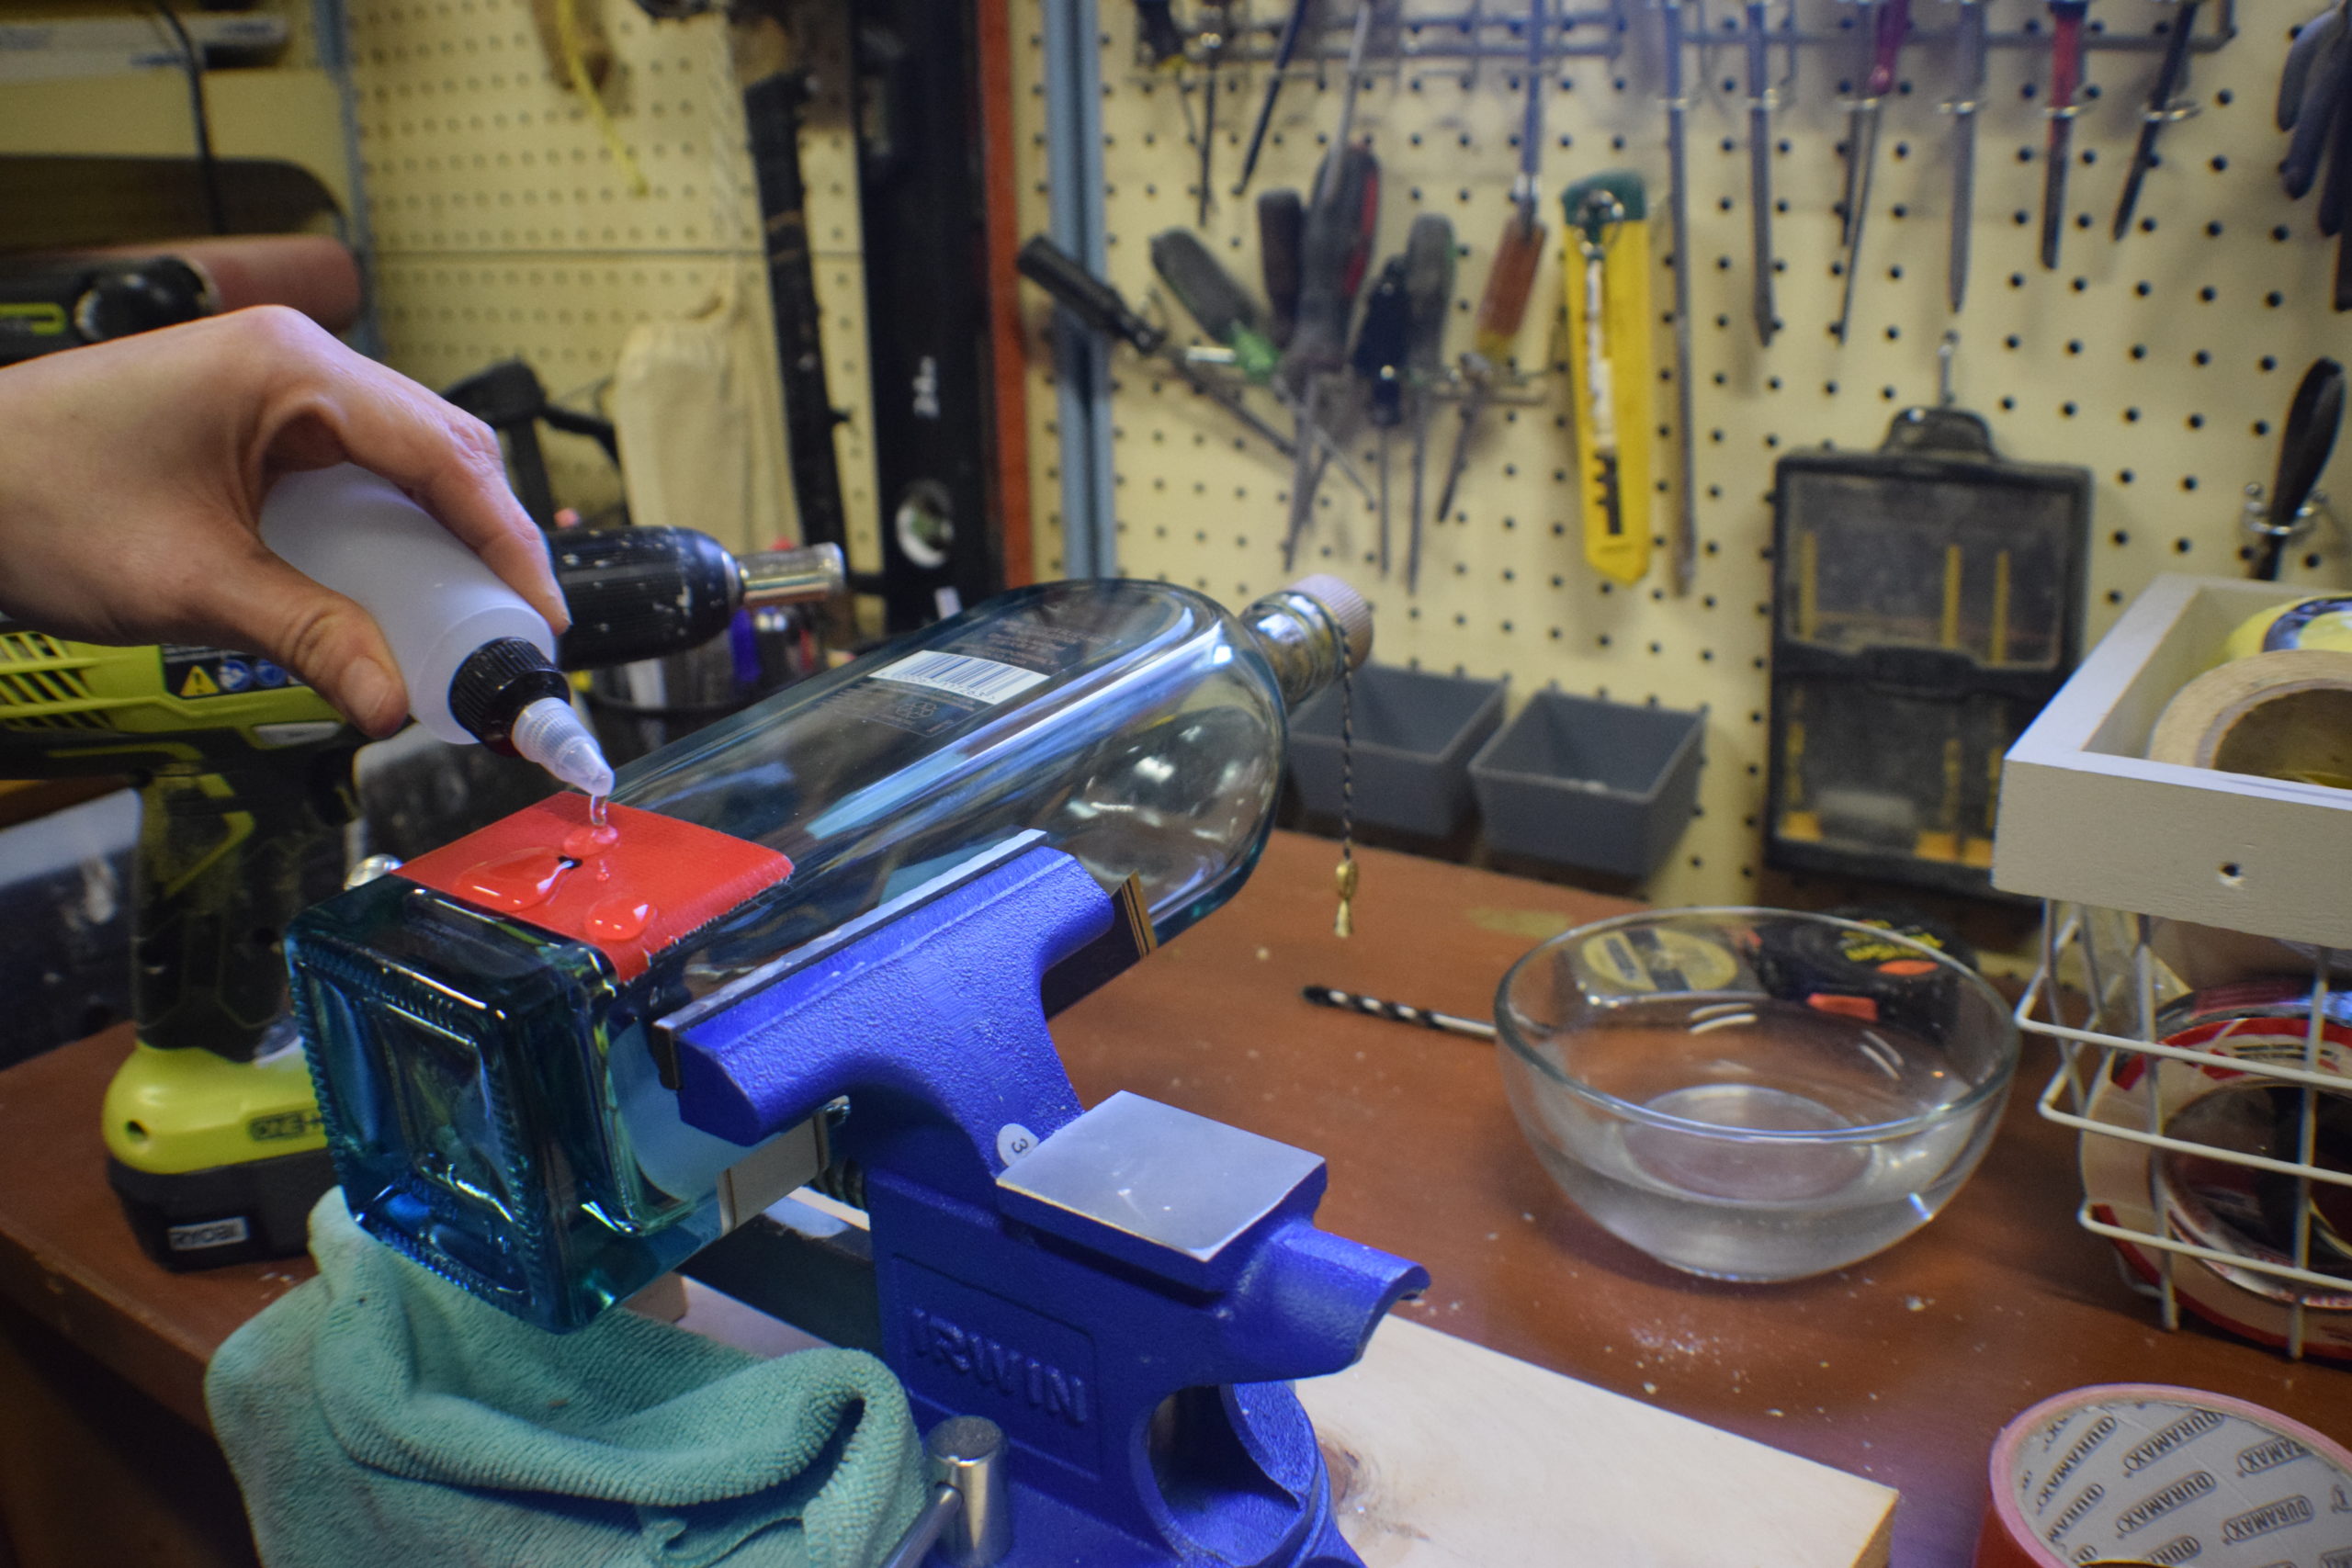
(982, 681)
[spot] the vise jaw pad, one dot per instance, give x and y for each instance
(1161, 1188)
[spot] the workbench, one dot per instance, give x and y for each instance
(1900, 1369)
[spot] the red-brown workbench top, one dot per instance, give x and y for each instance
(1900, 1369)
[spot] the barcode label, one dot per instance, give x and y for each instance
(981, 680)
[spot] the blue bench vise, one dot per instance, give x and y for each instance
(1126, 1291)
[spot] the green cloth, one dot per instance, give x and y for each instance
(379, 1415)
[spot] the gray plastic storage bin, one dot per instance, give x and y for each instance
(1415, 735)
(1579, 782)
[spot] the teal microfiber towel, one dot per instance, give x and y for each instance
(377, 1414)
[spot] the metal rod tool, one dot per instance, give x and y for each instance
(1886, 22)
(1285, 49)
(2171, 74)
(1969, 72)
(1760, 103)
(1682, 545)
(2066, 79)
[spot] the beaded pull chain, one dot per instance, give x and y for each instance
(1345, 876)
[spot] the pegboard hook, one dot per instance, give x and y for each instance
(1944, 353)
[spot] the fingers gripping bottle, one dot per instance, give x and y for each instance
(492, 1099)
(479, 661)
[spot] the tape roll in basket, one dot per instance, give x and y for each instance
(2285, 715)
(2233, 1208)
(2140, 1473)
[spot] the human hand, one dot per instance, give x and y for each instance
(131, 479)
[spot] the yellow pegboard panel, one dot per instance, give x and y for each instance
(2163, 364)
(503, 225)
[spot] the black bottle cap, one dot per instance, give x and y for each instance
(497, 681)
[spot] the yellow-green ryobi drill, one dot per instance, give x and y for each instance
(214, 1142)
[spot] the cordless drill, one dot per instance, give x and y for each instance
(244, 776)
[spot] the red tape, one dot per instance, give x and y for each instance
(627, 890)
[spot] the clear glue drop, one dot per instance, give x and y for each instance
(550, 734)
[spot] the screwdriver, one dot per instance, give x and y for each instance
(1429, 295)
(1281, 220)
(1503, 306)
(1501, 309)
(1213, 299)
(1224, 311)
(1379, 358)
(1285, 49)
(1889, 21)
(1101, 309)
(1969, 31)
(1333, 253)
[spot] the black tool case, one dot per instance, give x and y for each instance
(1927, 601)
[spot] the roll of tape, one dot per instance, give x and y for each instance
(2140, 1473)
(2285, 715)
(2229, 1207)
(2324, 621)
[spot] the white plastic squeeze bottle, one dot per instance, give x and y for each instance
(478, 659)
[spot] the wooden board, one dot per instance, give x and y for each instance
(1445, 1454)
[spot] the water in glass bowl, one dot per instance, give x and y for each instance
(1719, 1178)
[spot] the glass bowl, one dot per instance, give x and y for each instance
(1754, 1094)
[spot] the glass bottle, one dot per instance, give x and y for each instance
(487, 1086)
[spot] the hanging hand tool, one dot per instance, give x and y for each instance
(1503, 306)
(1224, 311)
(1379, 358)
(2065, 78)
(1969, 33)
(1282, 223)
(2303, 451)
(1157, 37)
(1682, 545)
(1215, 300)
(1333, 253)
(1285, 49)
(1429, 294)
(1887, 22)
(1101, 309)
(1216, 24)
(1609, 325)
(2171, 74)
(1759, 171)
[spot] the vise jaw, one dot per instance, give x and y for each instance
(1126, 1291)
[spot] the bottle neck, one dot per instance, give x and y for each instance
(1302, 640)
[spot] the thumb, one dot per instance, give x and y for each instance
(335, 646)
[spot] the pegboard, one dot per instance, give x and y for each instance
(2162, 363)
(502, 225)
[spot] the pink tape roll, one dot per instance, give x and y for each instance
(2145, 1474)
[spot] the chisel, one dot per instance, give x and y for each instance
(2065, 77)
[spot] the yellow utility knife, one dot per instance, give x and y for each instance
(1606, 281)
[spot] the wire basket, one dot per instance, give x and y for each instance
(2118, 1086)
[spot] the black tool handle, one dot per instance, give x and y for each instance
(1428, 293)
(772, 113)
(1282, 227)
(1085, 296)
(1332, 256)
(1381, 342)
(2303, 450)
(1155, 30)
(1202, 285)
